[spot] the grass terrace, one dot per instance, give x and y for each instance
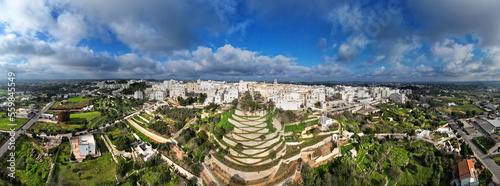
(295, 128)
(145, 115)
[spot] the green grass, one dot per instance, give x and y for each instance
(78, 99)
(117, 132)
(145, 115)
(497, 159)
(54, 127)
(34, 172)
(4, 92)
(484, 143)
(5, 121)
(140, 134)
(84, 115)
(97, 171)
(99, 121)
(297, 128)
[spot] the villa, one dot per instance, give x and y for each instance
(83, 145)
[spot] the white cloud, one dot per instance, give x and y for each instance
(25, 16)
(350, 50)
(71, 28)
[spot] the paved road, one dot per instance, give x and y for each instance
(26, 126)
(487, 161)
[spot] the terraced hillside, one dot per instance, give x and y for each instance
(255, 145)
(255, 151)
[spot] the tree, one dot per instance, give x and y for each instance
(272, 154)
(121, 167)
(257, 95)
(317, 104)
(316, 131)
(88, 157)
(72, 157)
(247, 96)
(63, 116)
(123, 143)
(239, 147)
(262, 137)
(395, 173)
(193, 181)
(195, 169)
(202, 98)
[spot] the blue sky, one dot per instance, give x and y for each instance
(315, 40)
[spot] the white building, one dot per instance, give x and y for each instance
(84, 145)
(325, 122)
(138, 95)
(176, 92)
(399, 98)
(87, 145)
(146, 150)
(159, 95)
(230, 95)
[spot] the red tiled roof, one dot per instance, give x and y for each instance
(464, 169)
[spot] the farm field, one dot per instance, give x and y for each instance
(73, 103)
(5, 121)
(78, 99)
(88, 116)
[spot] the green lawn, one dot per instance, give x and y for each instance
(5, 121)
(84, 115)
(78, 99)
(497, 159)
(54, 127)
(297, 128)
(97, 171)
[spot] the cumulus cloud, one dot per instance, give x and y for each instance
(153, 28)
(443, 19)
(11, 47)
(350, 50)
